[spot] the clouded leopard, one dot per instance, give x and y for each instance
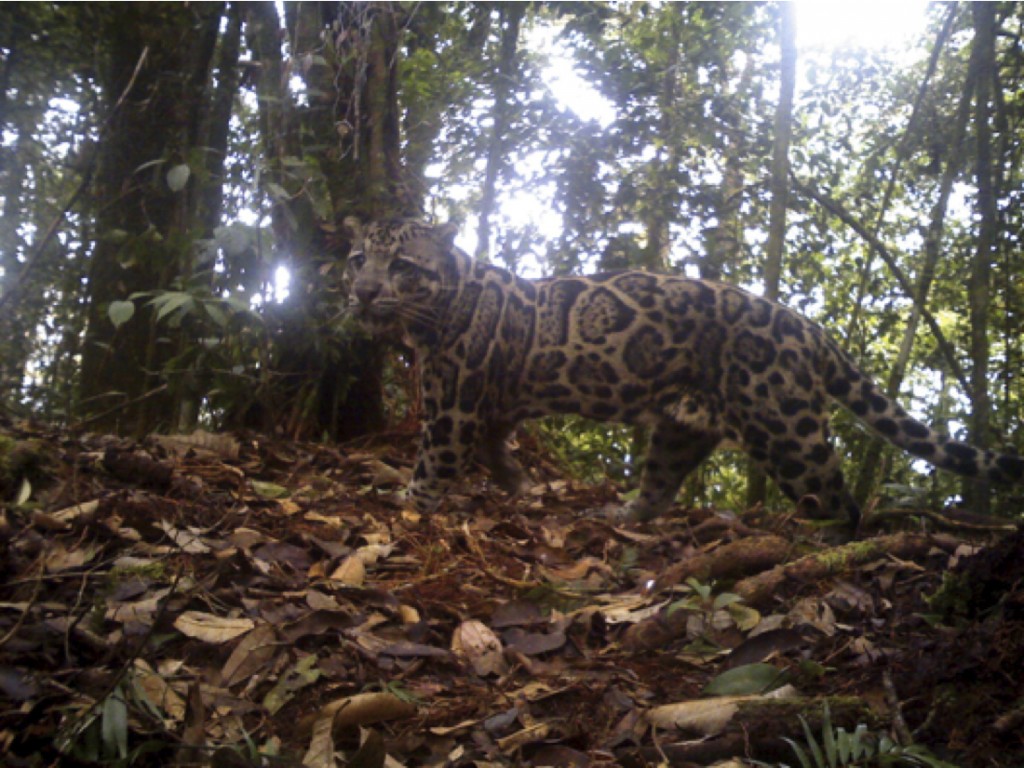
(699, 363)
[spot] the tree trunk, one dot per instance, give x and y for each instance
(210, 203)
(507, 75)
(347, 143)
(143, 241)
(978, 290)
(723, 241)
(756, 483)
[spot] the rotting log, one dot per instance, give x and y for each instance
(758, 589)
(730, 561)
(757, 729)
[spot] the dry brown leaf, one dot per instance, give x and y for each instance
(385, 474)
(553, 536)
(48, 522)
(631, 609)
(475, 643)
(210, 628)
(411, 517)
(534, 643)
(194, 733)
(373, 552)
(333, 521)
(351, 572)
(160, 693)
(188, 541)
(247, 538)
(60, 559)
(448, 730)
(528, 735)
(473, 638)
(253, 653)
(360, 709)
(577, 571)
(287, 507)
(318, 601)
(320, 753)
(138, 611)
(221, 445)
(68, 514)
(408, 614)
(848, 598)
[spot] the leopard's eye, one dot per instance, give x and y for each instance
(402, 266)
(356, 260)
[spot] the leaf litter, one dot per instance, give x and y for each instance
(234, 600)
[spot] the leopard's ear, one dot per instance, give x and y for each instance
(446, 233)
(353, 228)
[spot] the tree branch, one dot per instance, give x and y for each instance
(836, 209)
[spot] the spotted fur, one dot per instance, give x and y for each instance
(700, 363)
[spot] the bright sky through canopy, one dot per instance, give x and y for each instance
(831, 24)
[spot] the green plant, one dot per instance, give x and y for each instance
(100, 733)
(588, 450)
(861, 749)
(719, 610)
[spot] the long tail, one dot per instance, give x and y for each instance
(869, 403)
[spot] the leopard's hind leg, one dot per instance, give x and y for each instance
(674, 450)
(798, 455)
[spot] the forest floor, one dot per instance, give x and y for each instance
(243, 601)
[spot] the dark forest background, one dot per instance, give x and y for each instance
(166, 168)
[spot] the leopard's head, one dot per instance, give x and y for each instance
(401, 274)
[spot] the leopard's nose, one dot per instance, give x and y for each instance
(365, 293)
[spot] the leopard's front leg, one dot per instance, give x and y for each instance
(447, 448)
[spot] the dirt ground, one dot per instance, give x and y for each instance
(240, 601)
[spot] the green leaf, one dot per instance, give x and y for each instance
(828, 737)
(115, 725)
(177, 177)
(237, 304)
(170, 301)
(844, 746)
(691, 603)
(269, 490)
(725, 599)
(862, 746)
(704, 590)
(812, 744)
(216, 313)
(744, 617)
(120, 312)
(920, 754)
(805, 761)
(277, 191)
(304, 673)
(749, 679)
